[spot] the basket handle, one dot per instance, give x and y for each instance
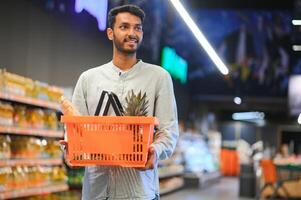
(102, 96)
(116, 103)
(112, 100)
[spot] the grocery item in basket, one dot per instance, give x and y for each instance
(136, 104)
(68, 108)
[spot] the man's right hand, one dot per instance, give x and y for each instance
(64, 147)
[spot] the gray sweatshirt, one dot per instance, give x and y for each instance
(101, 182)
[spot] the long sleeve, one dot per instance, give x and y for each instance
(79, 96)
(166, 111)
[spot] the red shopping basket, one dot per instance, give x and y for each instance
(109, 140)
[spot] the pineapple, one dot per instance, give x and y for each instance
(136, 104)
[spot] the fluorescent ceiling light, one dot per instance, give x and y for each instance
(200, 36)
(296, 22)
(299, 119)
(248, 116)
(297, 47)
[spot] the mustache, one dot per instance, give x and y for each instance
(131, 38)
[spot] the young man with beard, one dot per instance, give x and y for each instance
(123, 74)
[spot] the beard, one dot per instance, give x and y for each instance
(120, 45)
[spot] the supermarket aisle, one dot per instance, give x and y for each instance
(226, 189)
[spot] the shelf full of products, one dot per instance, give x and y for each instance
(30, 101)
(30, 156)
(29, 131)
(34, 191)
(24, 90)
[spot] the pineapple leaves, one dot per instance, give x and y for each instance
(136, 104)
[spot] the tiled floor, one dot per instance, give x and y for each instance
(224, 189)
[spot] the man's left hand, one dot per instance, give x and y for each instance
(151, 160)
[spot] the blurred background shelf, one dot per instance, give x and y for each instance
(30, 162)
(29, 131)
(172, 185)
(33, 191)
(29, 101)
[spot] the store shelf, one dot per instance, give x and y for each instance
(33, 191)
(170, 172)
(30, 162)
(30, 101)
(34, 132)
(200, 180)
(172, 189)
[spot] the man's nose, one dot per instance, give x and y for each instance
(132, 32)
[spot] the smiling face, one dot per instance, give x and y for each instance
(126, 33)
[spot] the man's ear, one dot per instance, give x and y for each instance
(110, 33)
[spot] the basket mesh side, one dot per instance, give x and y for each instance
(87, 136)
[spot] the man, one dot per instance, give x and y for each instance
(123, 74)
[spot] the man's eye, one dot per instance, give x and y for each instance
(123, 27)
(138, 28)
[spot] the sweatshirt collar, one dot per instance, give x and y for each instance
(132, 69)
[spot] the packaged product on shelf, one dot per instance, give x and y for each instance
(32, 176)
(41, 175)
(59, 174)
(25, 177)
(35, 147)
(5, 150)
(31, 147)
(50, 120)
(15, 84)
(35, 175)
(20, 116)
(54, 93)
(5, 178)
(17, 146)
(40, 90)
(52, 149)
(25, 147)
(6, 114)
(19, 177)
(35, 118)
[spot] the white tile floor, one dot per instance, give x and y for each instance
(224, 189)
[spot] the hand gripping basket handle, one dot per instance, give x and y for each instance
(112, 100)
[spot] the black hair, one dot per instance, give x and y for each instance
(133, 9)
